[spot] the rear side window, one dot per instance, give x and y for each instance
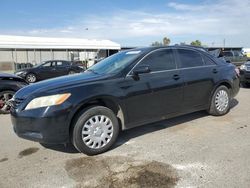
(207, 60)
(160, 60)
(190, 58)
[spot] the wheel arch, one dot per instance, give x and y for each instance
(105, 101)
(221, 83)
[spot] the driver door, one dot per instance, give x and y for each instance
(155, 95)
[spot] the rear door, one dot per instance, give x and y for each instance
(45, 71)
(163, 88)
(200, 74)
(62, 68)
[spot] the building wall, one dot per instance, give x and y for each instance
(13, 59)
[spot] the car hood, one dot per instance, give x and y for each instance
(24, 70)
(6, 75)
(60, 82)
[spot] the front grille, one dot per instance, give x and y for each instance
(248, 68)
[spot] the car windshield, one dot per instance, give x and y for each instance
(39, 64)
(115, 63)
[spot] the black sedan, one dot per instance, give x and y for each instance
(245, 74)
(49, 69)
(125, 90)
(9, 84)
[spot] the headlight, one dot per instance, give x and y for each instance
(50, 100)
(243, 67)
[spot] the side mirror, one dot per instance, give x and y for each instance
(141, 70)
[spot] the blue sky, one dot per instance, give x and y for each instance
(131, 22)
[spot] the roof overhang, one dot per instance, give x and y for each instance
(24, 42)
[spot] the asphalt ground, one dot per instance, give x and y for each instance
(195, 150)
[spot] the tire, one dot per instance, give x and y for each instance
(101, 129)
(71, 72)
(245, 85)
(217, 107)
(4, 97)
(31, 78)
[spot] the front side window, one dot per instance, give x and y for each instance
(189, 58)
(160, 60)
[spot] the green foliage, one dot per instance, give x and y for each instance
(196, 43)
(165, 42)
(156, 43)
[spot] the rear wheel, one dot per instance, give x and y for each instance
(244, 84)
(5, 96)
(220, 103)
(31, 78)
(95, 130)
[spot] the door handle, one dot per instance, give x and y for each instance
(215, 71)
(176, 77)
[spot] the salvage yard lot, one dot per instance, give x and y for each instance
(195, 150)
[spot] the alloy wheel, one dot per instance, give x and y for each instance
(4, 98)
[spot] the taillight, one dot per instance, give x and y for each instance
(237, 71)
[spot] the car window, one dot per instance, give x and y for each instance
(48, 64)
(207, 60)
(60, 64)
(228, 54)
(190, 58)
(160, 60)
(53, 64)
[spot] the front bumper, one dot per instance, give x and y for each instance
(45, 125)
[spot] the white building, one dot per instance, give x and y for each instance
(33, 50)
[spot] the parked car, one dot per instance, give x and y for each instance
(9, 84)
(235, 57)
(49, 69)
(128, 89)
(245, 74)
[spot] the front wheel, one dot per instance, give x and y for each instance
(31, 78)
(5, 96)
(95, 130)
(220, 103)
(245, 85)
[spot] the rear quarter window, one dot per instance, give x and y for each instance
(189, 58)
(207, 60)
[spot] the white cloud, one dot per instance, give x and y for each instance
(228, 19)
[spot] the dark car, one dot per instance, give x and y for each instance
(245, 74)
(9, 84)
(49, 69)
(125, 90)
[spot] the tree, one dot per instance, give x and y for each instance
(156, 43)
(196, 43)
(166, 41)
